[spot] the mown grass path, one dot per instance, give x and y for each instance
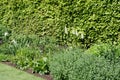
(10, 73)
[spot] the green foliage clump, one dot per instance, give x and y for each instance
(62, 63)
(40, 65)
(78, 22)
(24, 56)
(31, 58)
(76, 65)
(108, 51)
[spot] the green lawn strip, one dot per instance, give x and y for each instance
(10, 73)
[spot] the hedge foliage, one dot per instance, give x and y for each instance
(71, 22)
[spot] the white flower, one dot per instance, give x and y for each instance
(45, 59)
(13, 41)
(82, 36)
(66, 31)
(6, 33)
(73, 31)
(76, 32)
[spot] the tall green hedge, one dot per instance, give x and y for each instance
(71, 22)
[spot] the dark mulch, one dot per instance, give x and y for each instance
(46, 77)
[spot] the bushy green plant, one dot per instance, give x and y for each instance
(94, 68)
(76, 65)
(99, 49)
(110, 52)
(62, 63)
(27, 57)
(40, 65)
(24, 56)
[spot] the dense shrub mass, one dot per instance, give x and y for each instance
(73, 22)
(75, 65)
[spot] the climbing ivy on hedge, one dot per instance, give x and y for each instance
(71, 22)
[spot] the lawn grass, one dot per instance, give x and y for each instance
(10, 73)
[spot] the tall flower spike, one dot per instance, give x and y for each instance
(66, 31)
(82, 36)
(73, 31)
(76, 32)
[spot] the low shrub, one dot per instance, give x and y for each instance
(62, 63)
(108, 51)
(98, 49)
(76, 65)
